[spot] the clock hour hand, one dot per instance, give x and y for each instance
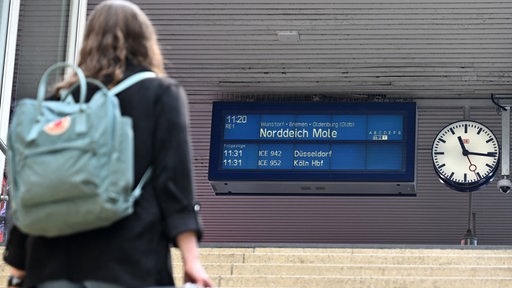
(465, 151)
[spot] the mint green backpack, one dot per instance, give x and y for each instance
(70, 165)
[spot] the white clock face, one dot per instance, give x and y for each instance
(465, 155)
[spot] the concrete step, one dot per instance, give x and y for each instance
(362, 270)
(355, 267)
(380, 259)
(265, 281)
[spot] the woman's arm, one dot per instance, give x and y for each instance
(16, 277)
(14, 256)
(194, 270)
(172, 163)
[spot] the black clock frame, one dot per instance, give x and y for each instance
(471, 186)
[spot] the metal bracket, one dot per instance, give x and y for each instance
(502, 101)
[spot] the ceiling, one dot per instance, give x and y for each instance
(420, 49)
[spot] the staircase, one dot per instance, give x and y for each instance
(388, 267)
(351, 267)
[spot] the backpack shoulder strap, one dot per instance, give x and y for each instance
(132, 80)
(138, 189)
(117, 89)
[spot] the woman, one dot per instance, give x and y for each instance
(133, 252)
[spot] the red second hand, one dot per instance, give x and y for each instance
(472, 167)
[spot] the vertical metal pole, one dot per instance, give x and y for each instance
(75, 30)
(9, 21)
(469, 237)
(505, 143)
(467, 116)
(10, 10)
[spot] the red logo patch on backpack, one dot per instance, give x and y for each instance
(58, 126)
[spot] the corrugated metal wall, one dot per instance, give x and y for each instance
(442, 54)
(42, 39)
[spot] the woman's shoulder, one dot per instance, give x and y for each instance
(167, 82)
(157, 85)
(161, 81)
(166, 86)
(156, 88)
(163, 92)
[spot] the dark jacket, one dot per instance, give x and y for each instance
(133, 252)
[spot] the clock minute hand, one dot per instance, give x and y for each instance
(488, 154)
(466, 152)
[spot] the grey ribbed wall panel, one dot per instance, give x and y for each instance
(428, 51)
(42, 39)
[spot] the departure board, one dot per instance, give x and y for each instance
(313, 141)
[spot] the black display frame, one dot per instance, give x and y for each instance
(221, 109)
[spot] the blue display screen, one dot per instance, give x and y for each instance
(313, 141)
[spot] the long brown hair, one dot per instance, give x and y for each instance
(117, 30)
